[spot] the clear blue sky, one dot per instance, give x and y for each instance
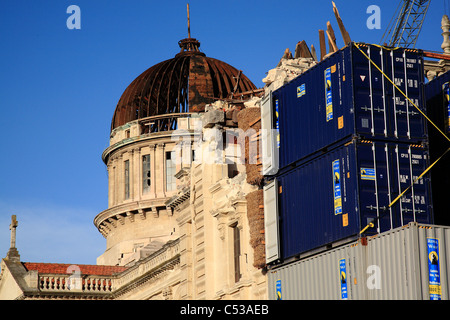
(59, 88)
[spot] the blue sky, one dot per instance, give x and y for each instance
(59, 89)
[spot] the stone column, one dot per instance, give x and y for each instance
(113, 180)
(159, 170)
(120, 185)
(131, 177)
(136, 174)
(110, 184)
(445, 26)
(153, 171)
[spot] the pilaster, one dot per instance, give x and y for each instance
(136, 174)
(159, 170)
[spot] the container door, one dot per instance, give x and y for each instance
(388, 214)
(271, 221)
(406, 73)
(270, 136)
(410, 161)
(374, 186)
(369, 90)
(383, 186)
(413, 66)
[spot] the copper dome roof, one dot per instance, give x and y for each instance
(185, 83)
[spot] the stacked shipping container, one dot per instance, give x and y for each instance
(346, 96)
(408, 263)
(340, 143)
(336, 195)
(437, 94)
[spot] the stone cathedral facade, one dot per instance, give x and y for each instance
(176, 226)
(185, 216)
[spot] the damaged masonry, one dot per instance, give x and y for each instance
(185, 213)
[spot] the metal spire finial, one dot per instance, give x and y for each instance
(189, 44)
(189, 22)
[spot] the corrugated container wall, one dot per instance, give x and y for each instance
(407, 263)
(346, 95)
(334, 196)
(437, 93)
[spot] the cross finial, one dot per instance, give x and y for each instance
(13, 254)
(12, 227)
(14, 222)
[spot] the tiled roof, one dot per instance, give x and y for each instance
(62, 268)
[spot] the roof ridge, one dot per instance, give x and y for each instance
(62, 268)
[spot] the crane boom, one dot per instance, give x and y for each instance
(405, 29)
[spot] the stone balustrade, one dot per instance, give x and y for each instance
(71, 283)
(107, 285)
(155, 261)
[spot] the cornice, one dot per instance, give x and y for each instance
(168, 135)
(128, 211)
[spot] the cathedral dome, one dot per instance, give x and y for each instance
(185, 83)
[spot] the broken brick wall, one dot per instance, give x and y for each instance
(255, 215)
(250, 118)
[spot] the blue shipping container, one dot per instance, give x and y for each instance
(334, 196)
(345, 95)
(437, 94)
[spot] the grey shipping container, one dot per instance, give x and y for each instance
(406, 263)
(345, 95)
(332, 198)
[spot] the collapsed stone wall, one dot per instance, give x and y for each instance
(287, 69)
(250, 118)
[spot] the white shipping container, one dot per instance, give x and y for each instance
(407, 263)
